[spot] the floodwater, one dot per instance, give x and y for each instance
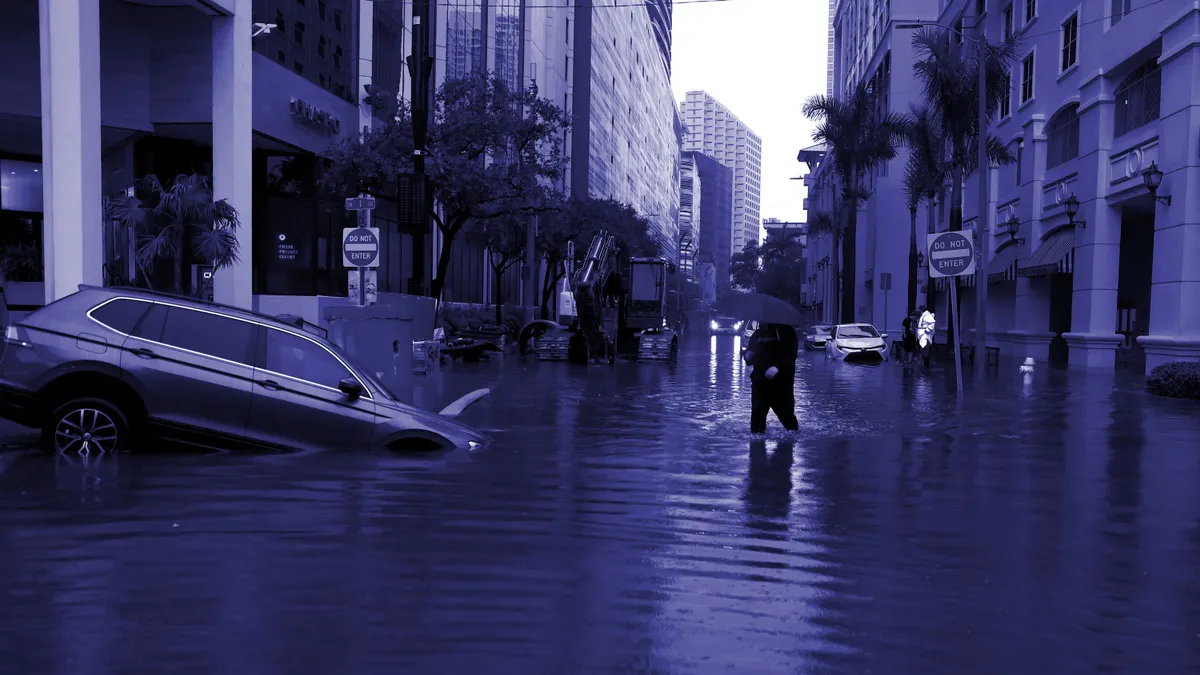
(625, 522)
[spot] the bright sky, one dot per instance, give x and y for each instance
(761, 59)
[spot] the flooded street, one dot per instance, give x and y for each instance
(624, 521)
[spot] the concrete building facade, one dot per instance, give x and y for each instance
(690, 208)
(718, 133)
(1099, 93)
(716, 212)
(626, 128)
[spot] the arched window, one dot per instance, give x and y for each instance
(1138, 98)
(1062, 136)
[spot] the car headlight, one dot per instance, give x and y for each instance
(737, 326)
(714, 325)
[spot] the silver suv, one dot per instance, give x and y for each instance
(112, 368)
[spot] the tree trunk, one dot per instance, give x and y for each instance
(930, 229)
(498, 293)
(849, 251)
(436, 284)
(835, 266)
(180, 258)
(549, 282)
(912, 261)
(956, 225)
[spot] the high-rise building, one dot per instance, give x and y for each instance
(716, 212)
(626, 129)
(690, 201)
(718, 133)
(1081, 257)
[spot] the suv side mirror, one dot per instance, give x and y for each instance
(351, 388)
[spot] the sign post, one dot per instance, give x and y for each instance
(952, 254)
(360, 248)
(885, 285)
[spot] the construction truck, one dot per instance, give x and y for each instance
(619, 309)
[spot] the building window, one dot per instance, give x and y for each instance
(337, 56)
(1030, 10)
(1138, 98)
(1007, 28)
(1119, 9)
(298, 33)
(281, 57)
(1027, 78)
(298, 67)
(1070, 42)
(980, 7)
(321, 11)
(1062, 136)
(1006, 96)
(337, 21)
(1020, 159)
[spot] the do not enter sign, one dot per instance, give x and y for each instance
(360, 246)
(951, 254)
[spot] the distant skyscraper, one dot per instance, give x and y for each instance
(718, 133)
(715, 211)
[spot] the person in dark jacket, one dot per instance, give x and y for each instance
(910, 337)
(771, 355)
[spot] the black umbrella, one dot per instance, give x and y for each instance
(760, 308)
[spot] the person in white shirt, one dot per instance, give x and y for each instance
(925, 327)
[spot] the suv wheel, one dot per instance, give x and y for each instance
(85, 426)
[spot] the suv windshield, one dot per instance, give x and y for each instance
(852, 332)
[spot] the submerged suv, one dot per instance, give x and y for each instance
(113, 368)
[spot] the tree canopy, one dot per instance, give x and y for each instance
(776, 268)
(492, 152)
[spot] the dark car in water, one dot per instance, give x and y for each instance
(108, 369)
(816, 336)
(726, 325)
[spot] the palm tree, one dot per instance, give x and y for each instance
(924, 175)
(859, 137)
(175, 218)
(950, 76)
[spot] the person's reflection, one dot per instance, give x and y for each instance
(769, 486)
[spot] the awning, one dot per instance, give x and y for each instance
(1003, 267)
(1056, 255)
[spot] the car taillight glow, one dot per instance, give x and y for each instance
(14, 335)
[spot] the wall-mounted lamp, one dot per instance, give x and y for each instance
(1014, 226)
(920, 259)
(1152, 176)
(263, 29)
(1072, 207)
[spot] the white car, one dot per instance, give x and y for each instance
(855, 341)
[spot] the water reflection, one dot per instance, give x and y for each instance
(623, 521)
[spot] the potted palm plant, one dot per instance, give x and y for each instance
(170, 221)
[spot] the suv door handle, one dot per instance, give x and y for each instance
(270, 384)
(143, 353)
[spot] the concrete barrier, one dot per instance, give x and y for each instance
(379, 338)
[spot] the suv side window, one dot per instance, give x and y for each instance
(303, 359)
(151, 327)
(210, 334)
(121, 315)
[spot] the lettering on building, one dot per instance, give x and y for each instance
(314, 115)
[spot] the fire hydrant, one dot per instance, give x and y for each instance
(1027, 367)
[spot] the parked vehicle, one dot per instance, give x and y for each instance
(109, 369)
(725, 325)
(816, 336)
(852, 341)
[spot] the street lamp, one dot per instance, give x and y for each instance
(920, 259)
(1014, 225)
(1152, 177)
(1071, 206)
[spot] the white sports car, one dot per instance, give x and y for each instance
(856, 341)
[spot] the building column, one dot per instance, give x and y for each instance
(1175, 298)
(1031, 307)
(73, 234)
(233, 144)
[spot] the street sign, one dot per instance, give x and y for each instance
(360, 203)
(951, 254)
(360, 246)
(885, 281)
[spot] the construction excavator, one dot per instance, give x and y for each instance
(619, 309)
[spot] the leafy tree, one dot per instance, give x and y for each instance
(491, 153)
(859, 136)
(924, 175)
(776, 268)
(745, 267)
(175, 218)
(504, 238)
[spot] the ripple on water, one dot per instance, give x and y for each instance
(623, 521)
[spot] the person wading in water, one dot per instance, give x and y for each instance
(771, 355)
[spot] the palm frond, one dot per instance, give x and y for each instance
(216, 244)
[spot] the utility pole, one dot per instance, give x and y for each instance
(420, 68)
(982, 231)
